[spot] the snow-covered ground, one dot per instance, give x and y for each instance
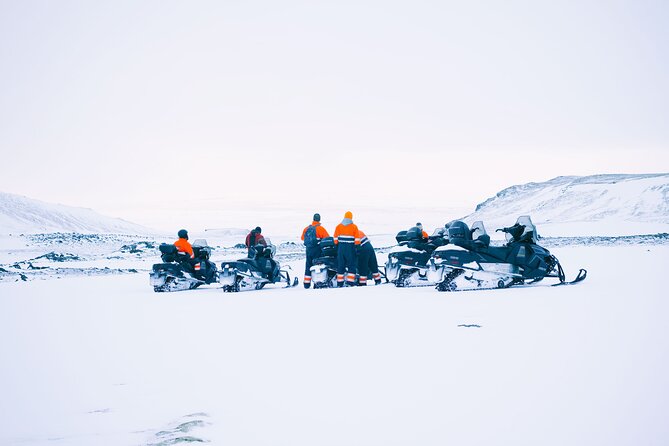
(106, 361)
(91, 355)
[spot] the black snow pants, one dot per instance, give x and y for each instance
(346, 263)
(313, 253)
(367, 264)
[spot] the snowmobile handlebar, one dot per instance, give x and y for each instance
(509, 229)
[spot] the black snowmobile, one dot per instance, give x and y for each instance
(179, 272)
(469, 262)
(254, 273)
(407, 262)
(324, 268)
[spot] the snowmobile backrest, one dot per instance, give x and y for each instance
(328, 247)
(414, 234)
(458, 230)
(401, 237)
(167, 248)
(327, 242)
(170, 253)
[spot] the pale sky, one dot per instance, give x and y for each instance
(124, 106)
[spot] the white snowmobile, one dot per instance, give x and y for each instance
(469, 262)
(254, 273)
(407, 262)
(179, 272)
(324, 267)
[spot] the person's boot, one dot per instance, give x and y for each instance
(377, 281)
(340, 284)
(307, 285)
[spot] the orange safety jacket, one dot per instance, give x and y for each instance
(321, 232)
(346, 234)
(425, 236)
(363, 238)
(184, 246)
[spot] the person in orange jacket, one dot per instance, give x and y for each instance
(367, 263)
(420, 226)
(312, 235)
(347, 240)
(183, 245)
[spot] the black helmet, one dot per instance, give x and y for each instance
(183, 234)
(258, 230)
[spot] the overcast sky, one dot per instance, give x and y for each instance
(129, 106)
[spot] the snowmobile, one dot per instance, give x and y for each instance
(407, 262)
(469, 262)
(179, 272)
(324, 268)
(254, 273)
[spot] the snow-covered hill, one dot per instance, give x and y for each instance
(572, 205)
(25, 215)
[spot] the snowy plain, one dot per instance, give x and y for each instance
(92, 356)
(105, 360)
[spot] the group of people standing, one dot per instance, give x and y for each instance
(355, 253)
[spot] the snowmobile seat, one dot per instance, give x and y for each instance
(498, 252)
(401, 237)
(418, 244)
(330, 262)
(252, 263)
(169, 267)
(481, 242)
(437, 241)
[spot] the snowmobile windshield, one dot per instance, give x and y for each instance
(527, 234)
(439, 232)
(530, 233)
(478, 230)
(200, 243)
(270, 246)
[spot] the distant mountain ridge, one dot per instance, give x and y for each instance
(642, 198)
(19, 214)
